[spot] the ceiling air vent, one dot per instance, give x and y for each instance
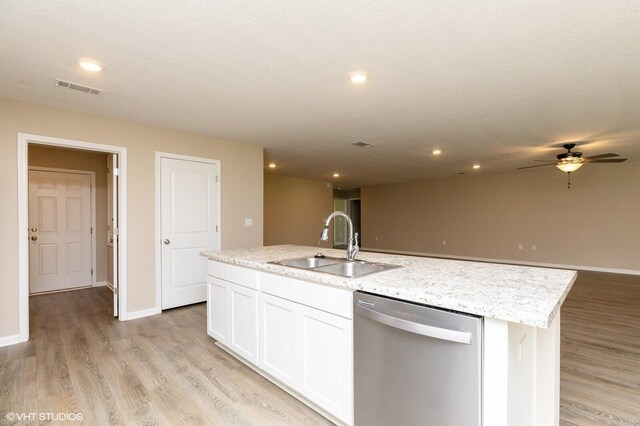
(362, 144)
(79, 87)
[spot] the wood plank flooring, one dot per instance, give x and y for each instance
(600, 351)
(161, 370)
(165, 370)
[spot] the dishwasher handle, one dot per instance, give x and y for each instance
(413, 327)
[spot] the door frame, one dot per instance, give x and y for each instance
(24, 139)
(218, 210)
(94, 231)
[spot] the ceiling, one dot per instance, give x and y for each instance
(498, 83)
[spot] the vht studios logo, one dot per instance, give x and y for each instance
(43, 417)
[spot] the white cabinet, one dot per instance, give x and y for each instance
(298, 333)
(279, 354)
(327, 361)
(218, 309)
(310, 351)
(243, 322)
(232, 309)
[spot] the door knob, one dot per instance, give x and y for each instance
(34, 229)
(110, 240)
(167, 241)
(34, 238)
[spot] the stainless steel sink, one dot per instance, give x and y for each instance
(335, 266)
(307, 262)
(354, 269)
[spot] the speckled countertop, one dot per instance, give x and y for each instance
(521, 294)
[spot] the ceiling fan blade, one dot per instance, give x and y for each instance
(595, 157)
(546, 161)
(539, 165)
(613, 160)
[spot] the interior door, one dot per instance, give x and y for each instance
(112, 236)
(60, 244)
(188, 215)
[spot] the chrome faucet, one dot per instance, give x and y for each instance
(352, 247)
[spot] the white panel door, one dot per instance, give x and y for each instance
(59, 231)
(113, 231)
(188, 194)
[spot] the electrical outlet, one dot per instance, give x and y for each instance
(534, 247)
(376, 238)
(444, 242)
(248, 222)
(520, 247)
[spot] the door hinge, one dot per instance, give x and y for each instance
(91, 230)
(216, 228)
(92, 271)
(216, 179)
(115, 290)
(116, 172)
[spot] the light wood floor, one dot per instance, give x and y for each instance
(160, 370)
(600, 355)
(166, 370)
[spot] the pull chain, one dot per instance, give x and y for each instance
(568, 180)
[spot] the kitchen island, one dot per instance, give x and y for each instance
(257, 310)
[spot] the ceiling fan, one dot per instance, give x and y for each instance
(571, 161)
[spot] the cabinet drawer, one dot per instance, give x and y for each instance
(337, 301)
(235, 274)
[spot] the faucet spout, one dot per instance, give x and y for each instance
(352, 247)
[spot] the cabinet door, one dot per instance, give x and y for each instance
(243, 322)
(218, 309)
(327, 362)
(279, 340)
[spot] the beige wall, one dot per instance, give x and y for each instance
(241, 190)
(82, 160)
(294, 210)
(594, 224)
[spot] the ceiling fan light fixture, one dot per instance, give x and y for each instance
(570, 164)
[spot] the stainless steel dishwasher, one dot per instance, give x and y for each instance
(415, 364)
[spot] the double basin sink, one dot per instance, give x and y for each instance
(335, 266)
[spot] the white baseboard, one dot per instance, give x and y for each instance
(108, 284)
(100, 284)
(510, 262)
(143, 313)
(9, 340)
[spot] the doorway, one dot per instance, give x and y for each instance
(75, 252)
(347, 201)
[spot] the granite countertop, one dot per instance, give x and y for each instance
(520, 294)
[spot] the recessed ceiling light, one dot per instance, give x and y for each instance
(272, 165)
(436, 152)
(89, 65)
(336, 175)
(476, 166)
(358, 77)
